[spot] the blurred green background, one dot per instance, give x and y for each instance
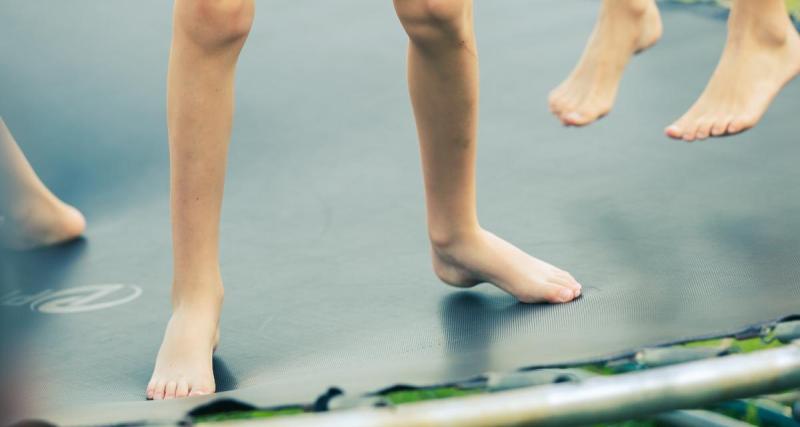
(792, 5)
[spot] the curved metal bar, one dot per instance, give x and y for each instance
(598, 399)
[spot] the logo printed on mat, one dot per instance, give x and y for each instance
(75, 300)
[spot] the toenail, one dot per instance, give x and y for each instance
(574, 116)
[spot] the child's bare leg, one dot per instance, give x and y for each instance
(443, 81)
(623, 28)
(207, 38)
(30, 215)
(761, 55)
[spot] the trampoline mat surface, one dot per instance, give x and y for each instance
(324, 249)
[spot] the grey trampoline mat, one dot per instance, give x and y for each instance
(324, 249)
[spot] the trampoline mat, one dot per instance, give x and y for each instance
(324, 249)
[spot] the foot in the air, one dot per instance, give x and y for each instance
(40, 220)
(184, 363)
(483, 257)
(624, 27)
(757, 62)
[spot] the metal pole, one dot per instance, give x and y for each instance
(598, 399)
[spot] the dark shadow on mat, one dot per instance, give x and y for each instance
(39, 268)
(24, 275)
(223, 377)
(472, 322)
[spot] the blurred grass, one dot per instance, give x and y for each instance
(247, 415)
(792, 5)
(794, 8)
(409, 396)
(743, 346)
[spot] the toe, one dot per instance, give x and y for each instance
(740, 124)
(586, 114)
(581, 114)
(689, 133)
(703, 128)
(150, 389)
(547, 291)
(562, 294)
(169, 390)
(683, 128)
(558, 99)
(158, 391)
(676, 129)
(735, 126)
(571, 285)
(182, 390)
(566, 116)
(690, 130)
(568, 109)
(574, 118)
(567, 280)
(199, 391)
(77, 222)
(554, 101)
(554, 293)
(720, 126)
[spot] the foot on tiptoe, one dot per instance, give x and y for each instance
(623, 28)
(757, 62)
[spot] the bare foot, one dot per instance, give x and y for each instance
(41, 221)
(624, 27)
(183, 366)
(484, 257)
(758, 60)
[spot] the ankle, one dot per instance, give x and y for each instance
(445, 239)
(765, 29)
(633, 8)
(206, 300)
(201, 291)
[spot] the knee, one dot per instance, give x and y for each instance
(431, 21)
(213, 23)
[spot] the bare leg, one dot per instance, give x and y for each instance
(624, 27)
(30, 215)
(207, 38)
(443, 81)
(761, 55)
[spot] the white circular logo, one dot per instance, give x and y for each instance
(86, 298)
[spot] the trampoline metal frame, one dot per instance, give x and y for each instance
(597, 399)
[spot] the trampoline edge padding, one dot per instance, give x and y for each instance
(131, 412)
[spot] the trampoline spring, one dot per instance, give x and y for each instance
(662, 356)
(786, 332)
(520, 379)
(767, 336)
